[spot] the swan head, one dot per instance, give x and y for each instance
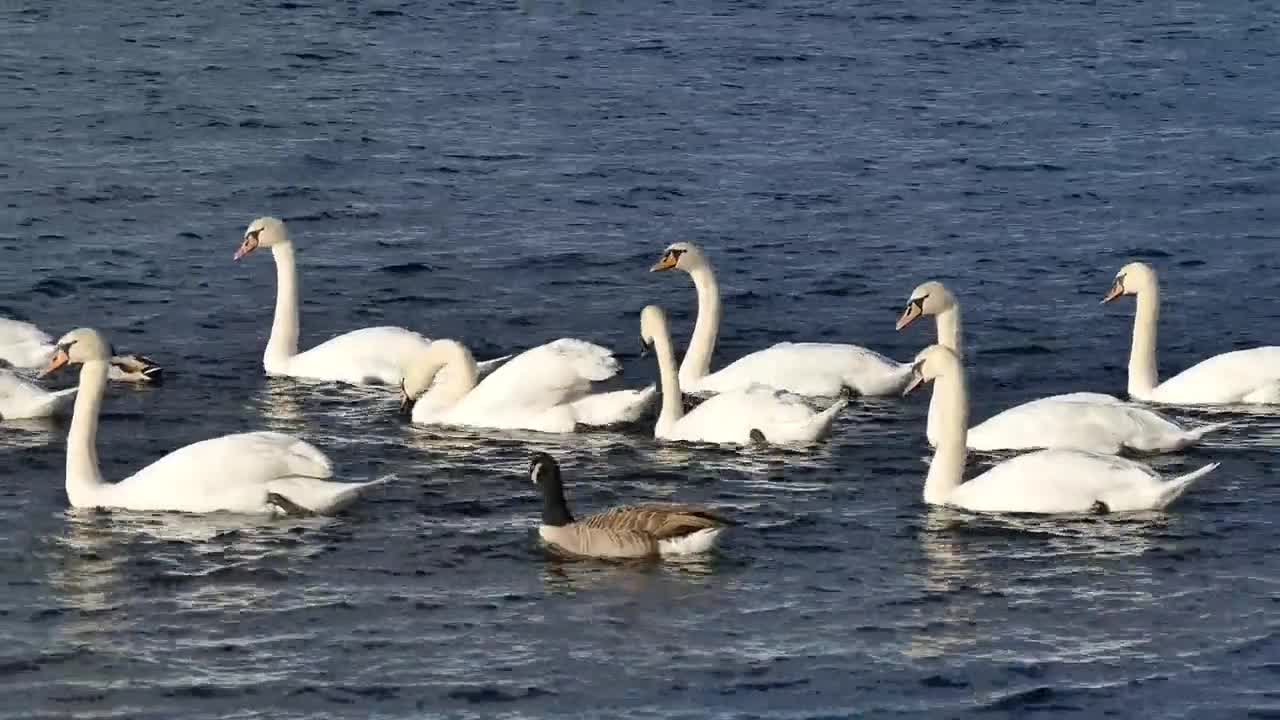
(680, 256)
(653, 325)
(932, 363)
(931, 298)
(76, 348)
(1131, 280)
(264, 232)
(420, 373)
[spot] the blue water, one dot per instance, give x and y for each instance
(504, 174)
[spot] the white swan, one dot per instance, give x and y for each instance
(1243, 376)
(1079, 421)
(759, 414)
(258, 472)
(1045, 481)
(376, 355)
(27, 347)
(21, 400)
(813, 369)
(547, 389)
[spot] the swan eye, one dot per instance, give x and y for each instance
(919, 302)
(675, 255)
(253, 234)
(918, 369)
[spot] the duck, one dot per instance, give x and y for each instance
(369, 356)
(651, 530)
(1249, 376)
(25, 347)
(251, 473)
(1096, 422)
(1051, 481)
(756, 415)
(544, 389)
(807, 369)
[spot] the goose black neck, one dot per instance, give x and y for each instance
(555, 511)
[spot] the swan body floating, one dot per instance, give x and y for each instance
(811, 369)
(1244, 376)
(546, 389)
(256, 472)
(26, 347)
(1079, 421)
(371, 356)
(22, 400)
(1045, 481)
(633, 531)
(758, 414)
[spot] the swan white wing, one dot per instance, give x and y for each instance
(732, 416)
(810, 369)
(232, 472)
(1060, 481)
(1236, 377)
(1072, 422)
(619, 406)
(369, 355)
(543, 377)
(20, 399)
(24, 345)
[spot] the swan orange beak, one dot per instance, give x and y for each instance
(667, 262)
(1116, 291)
(914, 310)
(249, 245)
(57, 362)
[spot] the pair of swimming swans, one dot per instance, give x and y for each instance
(253, 473)
(1046, 481)
(25, 347)
(1083, 421)
(548, 389)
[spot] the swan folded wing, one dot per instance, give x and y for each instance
(1226, 378)
(376, 354)
(231, 472)
(544, 376)
(1076, 423)
(24, 345)
(812, 369)
(619, 406)
(730, 417)
(322, 497)
(1059, 481)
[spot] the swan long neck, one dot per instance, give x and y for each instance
(284, 326)
(702, 344)
(672, 400)
(946, 472)
(1144, 375)
(84, 479)
(948, 323)
(460, 380)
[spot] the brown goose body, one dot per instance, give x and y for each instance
(632, 531)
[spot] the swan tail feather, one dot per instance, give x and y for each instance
(1173, 489)
(48, 405)
(822, 422)
(484, 367)
(620, 406)
(1195, 434)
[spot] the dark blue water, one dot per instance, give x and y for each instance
(504, 174)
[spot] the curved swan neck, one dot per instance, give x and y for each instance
(1144, 375)
(84, 479)
(948, 324)
(946, 472)
(672, 401)
(456, 384)
(702, 344)
(284, 326)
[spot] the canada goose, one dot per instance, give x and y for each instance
(632, 531)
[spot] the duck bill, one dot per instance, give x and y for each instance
(56, 363)
(666, 263)
(249, 245)
(1116, 291)
(910, 315)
